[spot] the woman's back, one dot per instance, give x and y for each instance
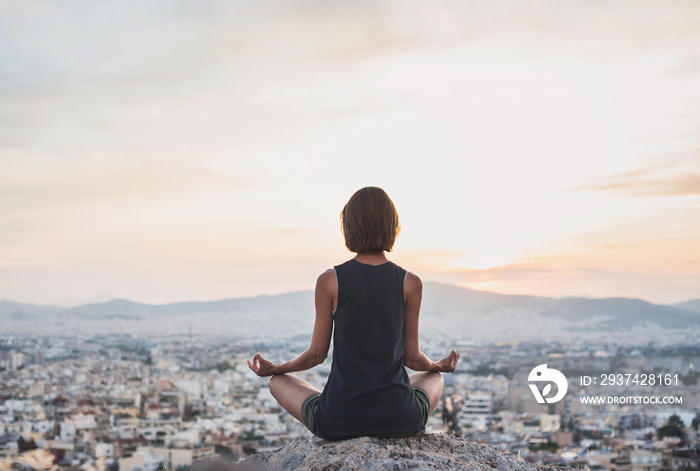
(368, 390)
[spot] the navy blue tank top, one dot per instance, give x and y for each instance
(368, 392)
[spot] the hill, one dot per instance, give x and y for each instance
(425, 452)
(461, 312)
(692, 305)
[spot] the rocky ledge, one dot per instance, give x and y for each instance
(424, 452)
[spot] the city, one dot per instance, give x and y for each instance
(135, 403)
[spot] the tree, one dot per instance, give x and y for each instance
(223, 366)
(544, 446)
(673, 428)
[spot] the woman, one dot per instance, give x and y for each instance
(374, 305)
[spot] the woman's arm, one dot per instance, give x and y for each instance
(326, 293)
(413, 357)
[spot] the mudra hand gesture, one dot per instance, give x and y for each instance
(449, 363)
(261, 366)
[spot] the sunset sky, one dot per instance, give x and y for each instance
(166, 151)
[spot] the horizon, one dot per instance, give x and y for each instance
(207, 149)
(108, 299)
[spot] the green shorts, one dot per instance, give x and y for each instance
(308, 411)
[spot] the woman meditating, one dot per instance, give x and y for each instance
(374, 304)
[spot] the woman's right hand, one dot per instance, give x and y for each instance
(449, 363)
(261, 366)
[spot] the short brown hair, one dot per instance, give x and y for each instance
(369, 221)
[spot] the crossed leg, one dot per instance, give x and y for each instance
(431, 382)
(291, 392)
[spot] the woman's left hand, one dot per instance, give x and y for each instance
(449, 363)
(261, 366)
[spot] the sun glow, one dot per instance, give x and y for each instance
(483, 260)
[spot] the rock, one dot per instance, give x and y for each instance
(424, 452)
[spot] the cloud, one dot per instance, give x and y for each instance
(669, 186)
(104, 183)
(63, 74)
(687, 68)
(71, 196)
(678, 176)
(573, 276)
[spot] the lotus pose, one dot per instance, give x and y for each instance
(374, 305)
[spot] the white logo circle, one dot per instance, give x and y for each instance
(541, 374)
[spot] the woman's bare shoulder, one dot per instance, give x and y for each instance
(326, 279)
(413, 283)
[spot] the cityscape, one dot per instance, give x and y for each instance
(108, 400)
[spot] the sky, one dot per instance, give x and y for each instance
(164, 151)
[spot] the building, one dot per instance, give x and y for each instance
(681, 459)
(637, 460)
(476, 405)
(171, 458)
(11, 360)
(8, 446)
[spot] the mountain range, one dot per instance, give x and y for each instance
(444, 307)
